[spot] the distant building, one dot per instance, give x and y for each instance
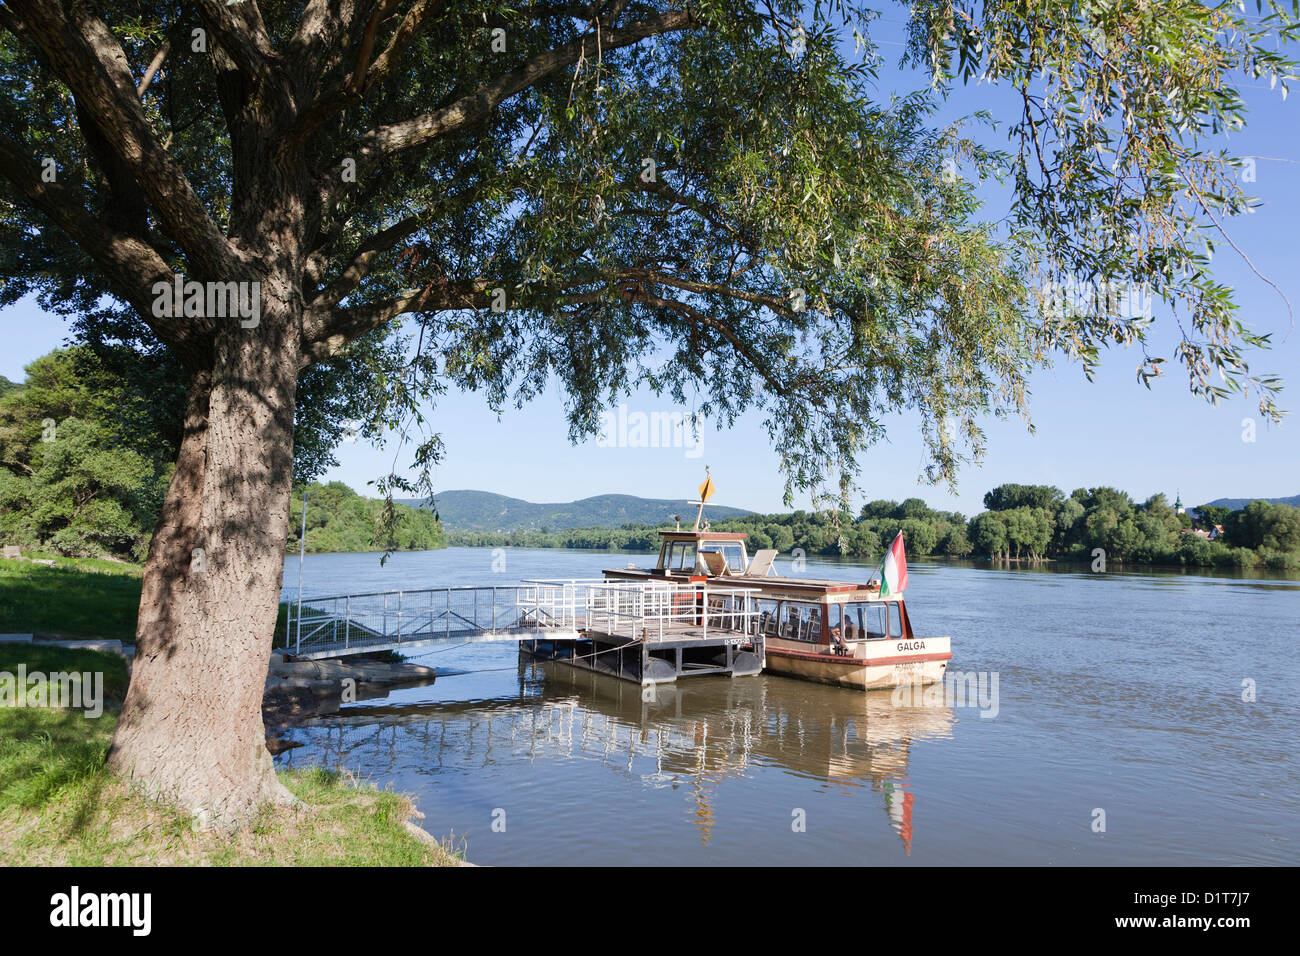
(1178, 505)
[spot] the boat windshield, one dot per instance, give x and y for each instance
(733, 551)
(680, 556)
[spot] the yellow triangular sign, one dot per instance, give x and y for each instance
(706, 489)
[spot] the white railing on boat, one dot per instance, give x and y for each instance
(654, 611)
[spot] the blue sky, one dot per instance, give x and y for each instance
(1112, 431)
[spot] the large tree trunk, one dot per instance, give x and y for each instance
(191, 727)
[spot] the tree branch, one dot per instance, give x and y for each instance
(320, 31)
(242, 34)
(711, 288)
(359, 266)
(83, 52)
(327, 331)
(477, 106)
(421, 12)
(130, 264)
(154, 66)
(687, 311)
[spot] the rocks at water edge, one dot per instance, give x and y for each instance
(299, 689)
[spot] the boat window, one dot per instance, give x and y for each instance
(813, 623)
(735, 556)
(734, 552)
(801, 622)
(896, 619)
(681, 556)
(767, 618)
(858, 622)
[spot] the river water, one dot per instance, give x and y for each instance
(1137, 718)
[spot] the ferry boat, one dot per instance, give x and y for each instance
(833, 632)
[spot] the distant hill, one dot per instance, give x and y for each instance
(485, 511)
(1236, 504)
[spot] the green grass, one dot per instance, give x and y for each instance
(79, 597)
(59, 805)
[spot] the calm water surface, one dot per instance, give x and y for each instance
(1118, 692)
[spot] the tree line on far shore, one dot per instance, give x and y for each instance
(339, 519)
(1021, 522)
(87, 444)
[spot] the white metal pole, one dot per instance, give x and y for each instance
(302, 550)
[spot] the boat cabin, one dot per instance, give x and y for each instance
(845, 634)
(831, 617)
(684, 555)
(702, 552)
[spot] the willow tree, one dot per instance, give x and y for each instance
(707, 199)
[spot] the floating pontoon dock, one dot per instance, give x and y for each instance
(646, 632)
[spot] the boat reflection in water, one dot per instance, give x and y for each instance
(695, 734)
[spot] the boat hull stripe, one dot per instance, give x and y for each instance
(859, 661)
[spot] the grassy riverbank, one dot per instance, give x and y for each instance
(77, 597)
(60, 806)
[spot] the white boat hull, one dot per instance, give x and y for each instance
(875, 665)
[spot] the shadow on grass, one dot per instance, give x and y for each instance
(74, 599)
(49, 755)
(46, 752)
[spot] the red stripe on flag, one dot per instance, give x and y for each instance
(900, 558)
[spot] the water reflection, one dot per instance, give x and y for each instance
(696, 734)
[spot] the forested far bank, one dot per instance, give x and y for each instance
(87, 444)
(339, 519)
(1027, 522)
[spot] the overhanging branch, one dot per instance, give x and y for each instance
(475, 107)
(359, 266)
(86, 56)
(327, 331)
(131, 265)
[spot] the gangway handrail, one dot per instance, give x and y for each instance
(356, 621)
(363, 594)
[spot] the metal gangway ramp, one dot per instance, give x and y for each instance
(661, 620)
(339, 625)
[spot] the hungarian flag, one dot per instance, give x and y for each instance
(893, 569)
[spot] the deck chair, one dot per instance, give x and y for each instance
(760, 565)
(714, 562)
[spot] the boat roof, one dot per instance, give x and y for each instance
(796, 588)
(701, 535)
(807, 586)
